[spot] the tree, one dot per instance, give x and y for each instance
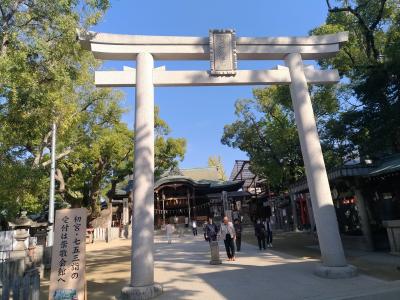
(215, 161)
(266, 131)
(44, 78)
(168, 151)
(355, 119)
(370, 64)
(105, 143)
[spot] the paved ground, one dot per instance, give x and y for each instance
(305, 245)
(183, 269)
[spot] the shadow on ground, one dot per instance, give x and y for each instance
(184, 271)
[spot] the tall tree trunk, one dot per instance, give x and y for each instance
(95, 189)
(111, 193)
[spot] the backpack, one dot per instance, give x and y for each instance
(263, 232)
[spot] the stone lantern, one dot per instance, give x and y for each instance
(21, 226)
(19, 255)
(25, 228)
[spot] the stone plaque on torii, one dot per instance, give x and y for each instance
(222, 48)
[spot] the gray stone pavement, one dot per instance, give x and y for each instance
(183, 269)
(305, 245)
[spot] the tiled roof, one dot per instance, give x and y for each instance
(388, 165)
(241, 171)
(207, 178)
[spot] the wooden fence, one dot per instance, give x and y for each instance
(6, 244)
(106, 234)
(19, 274)
(19, 284)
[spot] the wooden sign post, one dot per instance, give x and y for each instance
(67, 279)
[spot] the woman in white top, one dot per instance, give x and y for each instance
(169, 230)
(194, 227)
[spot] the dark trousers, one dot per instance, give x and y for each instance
(194, 231)
(229, 246)
(269, 237)
(261, 242)
(238, 242)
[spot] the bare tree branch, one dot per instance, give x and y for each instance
(350, 56)
(59, 156)
(368, 30)
(3, 14)
(379, 16)
(328, 3)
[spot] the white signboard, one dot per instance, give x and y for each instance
(67, 279)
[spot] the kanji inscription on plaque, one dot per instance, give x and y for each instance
(223, 52)
(67, 278)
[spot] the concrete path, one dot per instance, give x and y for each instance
(184, 270)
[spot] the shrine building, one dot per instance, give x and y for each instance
(193, 193)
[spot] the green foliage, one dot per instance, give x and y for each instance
(27, 185)
(357, 118)
(266, 131)
(168, 151)
(46, 77)
(370, 63)
(103, 143)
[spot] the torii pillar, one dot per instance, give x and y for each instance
(333, 258)
(142, 284)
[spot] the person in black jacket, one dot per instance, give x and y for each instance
(211, 231)
(268, 230)
(238, 230)
(260, 234)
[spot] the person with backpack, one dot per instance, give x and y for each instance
(211, 231)
(260, 233)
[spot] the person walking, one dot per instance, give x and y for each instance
(268, 230)
(204, 230)
(169, 228)
(260, 234)
(238, 231)
(227, 233)
(194, 227)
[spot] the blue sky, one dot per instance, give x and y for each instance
(200, 113)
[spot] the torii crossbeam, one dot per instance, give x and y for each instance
(222, 49)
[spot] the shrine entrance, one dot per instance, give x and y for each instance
(222, 48)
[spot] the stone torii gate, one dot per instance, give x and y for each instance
(222, 49)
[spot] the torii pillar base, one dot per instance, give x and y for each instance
(347, 271)
(141, 292)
